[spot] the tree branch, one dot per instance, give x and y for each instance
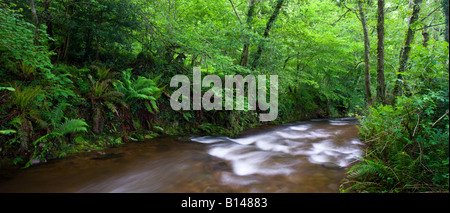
(434, 25)
(446, 113)
(348, 10)
(234, 8)
(429, 14)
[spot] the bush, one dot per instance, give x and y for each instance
(407, 147)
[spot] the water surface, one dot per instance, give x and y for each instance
(299, 157)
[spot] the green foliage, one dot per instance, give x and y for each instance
(59, 78)
(22, 98)
(7, 131)
(211, 129)
(54, 139)
(140, 90)
(103, 97)
(408, 151)
(17, 39)
(70, 126)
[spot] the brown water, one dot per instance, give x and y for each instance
(308, 156)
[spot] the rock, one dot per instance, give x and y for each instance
(221, 166)
(217, 166)
(35, 161)
(330, 165)
(38, 161)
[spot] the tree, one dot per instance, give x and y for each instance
(406, 49)
(381, 88)
(35, 21)
(445, 8)
(269, 25)
(244, 55)
(362, 17)
(18, 41)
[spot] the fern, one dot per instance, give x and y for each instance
(23, 97)
(58, 113)
(27, 69)
(44, 144)
(377, 167)
(360, 187)
(104, 73)
(112, 107)
(72, 126)
(139, 89)
(368, 173)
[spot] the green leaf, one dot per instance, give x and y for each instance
(8, 88)
(7, 131)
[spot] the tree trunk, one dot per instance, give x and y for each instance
(97, 126)
(381, 87)
(267, 30)
(97, 52)
(426, 36)
(404, 53)
(66, 48)
(25, 131)
(35, 21)
(445, 7)
(244, 57)
(366, 53)
(49, 23)
(88, 42)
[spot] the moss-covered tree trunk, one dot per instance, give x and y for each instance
(35, 21)
(362, 16)
(381, 87)
(406, 49)
(244, 55)
(445, 9)
(269, 25)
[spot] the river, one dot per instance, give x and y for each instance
(302, 157)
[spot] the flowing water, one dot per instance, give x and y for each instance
(308, 156)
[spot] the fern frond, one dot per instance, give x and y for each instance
(135, 97)
(58, 113)
(113, 94)
(73, 125)
(149, 108)
(148, 90)
(112, 107)
(361, 186)
(157, 78)
(23, 97)
(42, 139)
(153, 102)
